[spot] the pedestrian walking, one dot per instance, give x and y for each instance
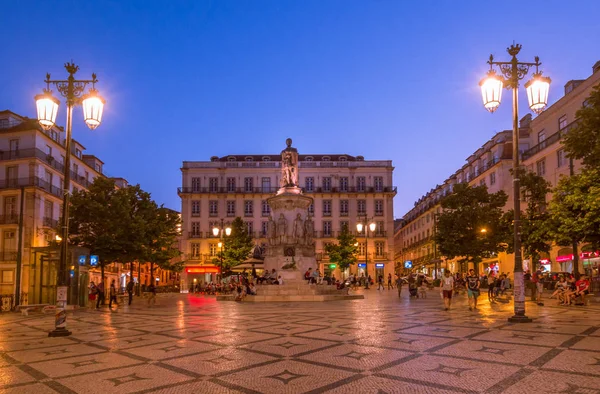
(399, 283)
(92, 294)
(130, 290)
(537, 287)
(472, 289)
(100, 293)
(490, 282)
(390, 283)
(380, 283)
(112, 294)
(446, 287)
(152, 295)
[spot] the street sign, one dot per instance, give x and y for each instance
(82, 259)
(61, 293)
(94, 260)
(408, 264)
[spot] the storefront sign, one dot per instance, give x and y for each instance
(362, 265)
(203, 270)
(408, 264)
(379, 265)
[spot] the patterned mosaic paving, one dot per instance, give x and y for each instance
(382, 344)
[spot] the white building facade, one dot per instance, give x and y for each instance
(346, 189)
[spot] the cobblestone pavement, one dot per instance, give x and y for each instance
(382, 344)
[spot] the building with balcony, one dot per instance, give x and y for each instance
(345, 189)
(541, 152)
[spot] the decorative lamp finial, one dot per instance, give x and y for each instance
(288, 142)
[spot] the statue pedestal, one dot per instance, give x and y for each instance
(290, 249)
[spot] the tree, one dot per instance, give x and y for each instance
(583, 139)
(471, 226)
(535, 220)
(344, 252)
(575, 209)
(162, 229)
(237, 246)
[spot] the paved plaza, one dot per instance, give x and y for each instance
(382, 344)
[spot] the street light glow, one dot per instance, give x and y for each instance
(215, 231)
(359, 227)
(93, 106)
(47, 108)
(228, 231)
(537, 92)
(372, 226)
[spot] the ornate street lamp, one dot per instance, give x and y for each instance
(371, 226)
(47, 109)
(221, 232)
(537, 93)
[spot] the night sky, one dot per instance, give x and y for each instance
(385, 79)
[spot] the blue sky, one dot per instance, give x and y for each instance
(186, 80)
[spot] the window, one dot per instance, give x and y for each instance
(311, 209)
(542, 139)
(325, 158)
(308, 158)
(264, 228)
(266, 158)
(195, 229)
(493, 178)
(586, 103)
(248, 208)
(48, 150)
(326, 184)
(12, 174)
(86, 175)
(541, 167)
(327, 229)
(10, 206)
(14, 145)
(344, 184)
(482, 182)
(380, 228)
(195, 248)
(78, 153)
(562, 122)
(213, 185)
(361, 248)
(361, 207)
(249, 228)
(98, 167)
(231, 159)
(361, 183)
(248, 184)
(7, 278)
(343, 207)
(266, 184)
(344, 224)
(560, 158)
(48, 213)
(378, 207)
(196, 184)
(309, 184)
(213, 249)
(342, 158)
(326, 207)
(195, 208)
(378, 183)
(231, 185)
(249, 158)
(230, 208)
(213, 208)
(379, 249)
(266, 209)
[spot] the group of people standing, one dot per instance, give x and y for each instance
(96, 294)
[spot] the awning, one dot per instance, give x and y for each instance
(203, 269)
(248, 266)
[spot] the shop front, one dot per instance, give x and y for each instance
(198, 275)
(491, 267)
(379, 271)
(361, 269)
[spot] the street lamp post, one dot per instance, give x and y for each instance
(359, 227)
(537, 94)
(221, 232)
(47, 108)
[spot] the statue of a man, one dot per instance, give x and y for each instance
(271, 230)
(298, 229)
(309, 229)
(281, 228)
(289, 166)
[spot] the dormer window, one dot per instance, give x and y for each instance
(325, 158)
(249, 158)
(78, 153)
(308, 158)
(343, 158)
(266, 158)
(231, 158)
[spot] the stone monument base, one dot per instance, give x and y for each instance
(296, 291)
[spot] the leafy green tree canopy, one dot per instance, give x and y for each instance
(238, 245)
(466, 212)
(344, 252)
(583, 140)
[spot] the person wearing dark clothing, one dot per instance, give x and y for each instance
(390, 283)
(130, 290)
(380, 282)
(100, 298)
(113, 294)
